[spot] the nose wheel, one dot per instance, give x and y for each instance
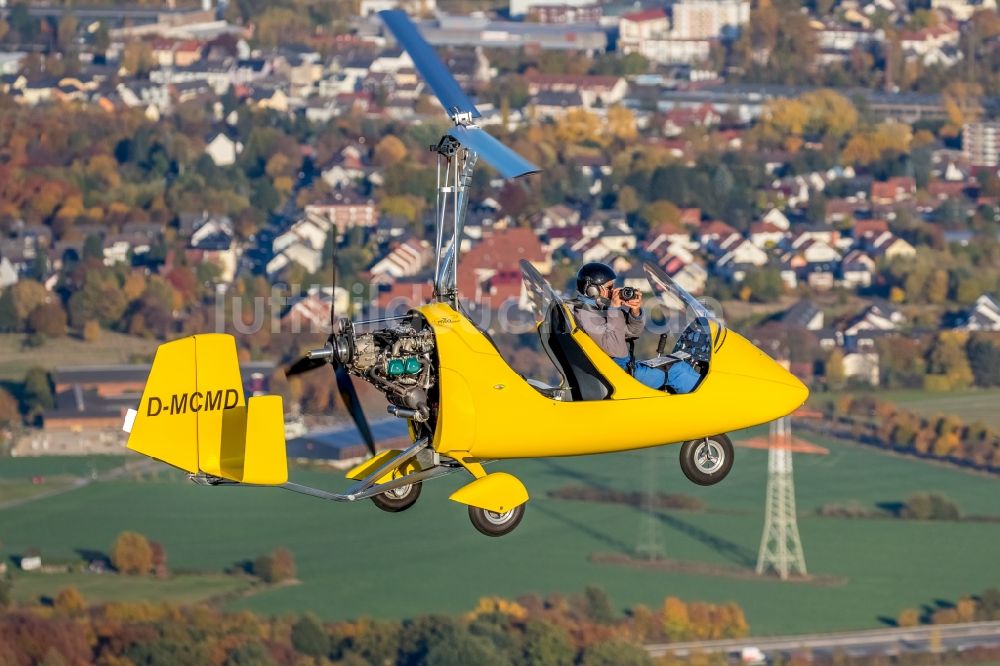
(398, 499)
(707, 461)
(496, 524)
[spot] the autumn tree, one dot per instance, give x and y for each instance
(616, 653)
(835, 369)
(389, 151)
(131, 554)
(69, 601)
(48, 320)
(578, 126)
(546, 643)
(9, 412)
(660, 212)
(137, 58)
(100, 298)
(597, 604)
(908, 617)
(275, 567)
(947, 360)
(309, 637)
(676, 624)
(621, 124)
(91, 331)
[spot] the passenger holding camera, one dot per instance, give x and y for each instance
(611, 316)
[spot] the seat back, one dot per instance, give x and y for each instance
(584, 380)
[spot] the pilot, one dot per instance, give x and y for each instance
(611, 322)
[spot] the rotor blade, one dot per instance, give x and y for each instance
(350, 398)
(304, 364)
(427, 62)
(499, 156)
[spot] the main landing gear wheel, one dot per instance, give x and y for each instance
(495, 524)
(707, 461)
(398, 499)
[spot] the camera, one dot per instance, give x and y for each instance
(628, 293)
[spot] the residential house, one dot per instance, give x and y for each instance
(551, 104)
(8, 273)
(804, 314)
(864, 232)
(312, 230)
(559, 216)
(857, 269)
(862, 367)
(223, 150)
(676, 120)
(776, 218)
(608, 89)
(345, 212)
(668, 236)
(691, 277)
(712, 233)
(740, 257)
(984, 315)
(765, 234)
(486, 273)
(894, 190)
(311, 313)
(892, 247)
(212, 239)
(406, 259)
(879, 318)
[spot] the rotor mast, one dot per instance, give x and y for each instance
(458, 152)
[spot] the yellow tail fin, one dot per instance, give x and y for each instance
(193, 415)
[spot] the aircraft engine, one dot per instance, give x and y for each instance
(400, 361)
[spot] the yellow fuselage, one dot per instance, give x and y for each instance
(489, 411)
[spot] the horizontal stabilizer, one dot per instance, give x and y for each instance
(499, 156)
(427, 62)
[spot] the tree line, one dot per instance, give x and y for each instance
(884, 424)
(557, 631)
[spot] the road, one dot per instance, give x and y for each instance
(854, 643)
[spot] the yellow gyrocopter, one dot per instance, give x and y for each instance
(463, 403)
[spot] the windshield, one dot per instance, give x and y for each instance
(678, 306)
(538, 291)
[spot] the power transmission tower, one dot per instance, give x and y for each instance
(650, 543)
(780, 546)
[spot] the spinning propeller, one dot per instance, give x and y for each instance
(334, 352)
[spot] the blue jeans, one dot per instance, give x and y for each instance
(651, 377)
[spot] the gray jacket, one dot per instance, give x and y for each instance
(609, 328)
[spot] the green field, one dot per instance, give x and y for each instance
(112, 348)
(109, 587)
(25, 468)
(969, 405)
(356, 560)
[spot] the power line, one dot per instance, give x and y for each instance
(650, 544)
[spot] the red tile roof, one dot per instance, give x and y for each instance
(647, 15)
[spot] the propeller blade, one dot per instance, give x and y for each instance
(350, 397)
(427, 62)
(304, 364)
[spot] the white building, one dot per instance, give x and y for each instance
(223, 150)
(521, 7)
(981, 143)
(709, 19)
(983, 316)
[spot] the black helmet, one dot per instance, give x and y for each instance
(591, 276)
